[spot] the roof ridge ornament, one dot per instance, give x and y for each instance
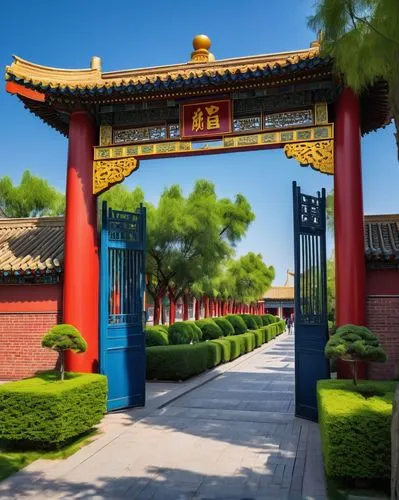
(201, 45)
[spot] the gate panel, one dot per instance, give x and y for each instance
(122, 339)
(311, 326)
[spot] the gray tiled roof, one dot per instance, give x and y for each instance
(381, 234)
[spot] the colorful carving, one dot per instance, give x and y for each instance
(108, 173)
(319, 155)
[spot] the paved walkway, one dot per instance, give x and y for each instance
(233, 437)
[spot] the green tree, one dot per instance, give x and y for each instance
(330, 211)
(363, 38)
(251, 277)
(33, 197)
(187, 238)
(354, 343)
(331, 288)
(120, 197)
(62, 338)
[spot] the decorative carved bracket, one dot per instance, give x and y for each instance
(318, 154)
(110, 172)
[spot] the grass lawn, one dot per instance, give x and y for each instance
(12, 460)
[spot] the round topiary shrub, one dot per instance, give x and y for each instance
(181, 333)
(197, 332)
(225, 326)
(156, 335)
(354, 343)
(210, 330)
(249, 321)
(258, 320)
(237, 323)
(268, 319)
(63, 338)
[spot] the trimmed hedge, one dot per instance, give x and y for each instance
(182, 333)
(177, 362)
(225, 349)
(214, 354)
(258, 320)
(268, 319)
(156, 335)
(355, 431)
(259, 337)
(225, 326)
(235, 345)
(237, 323)
(249, 321)
(45, 412)
(210, 330)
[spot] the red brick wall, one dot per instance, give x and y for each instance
(383, 319)
(26, 313)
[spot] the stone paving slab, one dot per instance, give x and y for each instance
(233, 437)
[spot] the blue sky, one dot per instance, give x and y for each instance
(130, 34)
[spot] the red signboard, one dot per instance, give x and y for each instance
(208, 118)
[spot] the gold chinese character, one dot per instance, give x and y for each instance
(212, 120)
(198, 121)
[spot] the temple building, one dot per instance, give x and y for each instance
(279, 300)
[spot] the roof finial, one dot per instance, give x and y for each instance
(201, 44)
(95, 63)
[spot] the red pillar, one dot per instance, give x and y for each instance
(81, 267)
(348, 218)
(348, 213)
(172, 309)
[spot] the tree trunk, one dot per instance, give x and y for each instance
(185, 307)
(354, 371)
(172, 308)
(62, 364)
(197, 309)
(157, 310)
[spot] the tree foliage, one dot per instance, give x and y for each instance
(62, 338)
(363, 38)
(354, 343)
(32, 197)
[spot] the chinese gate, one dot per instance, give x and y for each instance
(311, 327)
(114, 120)
(122, 339)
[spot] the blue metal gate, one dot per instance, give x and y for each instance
(311, 326)
(122, 281)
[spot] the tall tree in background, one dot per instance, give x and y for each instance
(33, 197)
(251, 277)
(363, 38)
(187, 238)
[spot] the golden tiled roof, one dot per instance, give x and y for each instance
(31, 244)
(280, 293)
(92, 77)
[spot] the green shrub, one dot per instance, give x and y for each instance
(354, 343)
(270, 332)
(177, 362)
(247, 342)
(182, 333)
(259, 337)
(45, 412)
(226, 348)
(249, 321)
(235, 346)
(63, 338)
(258, 320)
(156, 335)
(210, 330)
(225, 326)
(237, 323)
(196, 330)
(214, 354)
(268, 319)
(355, 431)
